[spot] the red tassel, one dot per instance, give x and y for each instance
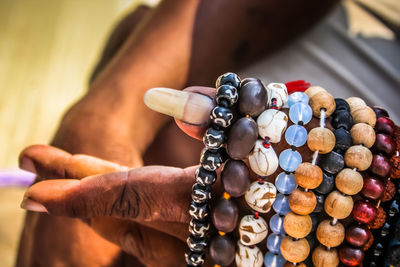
(297, 86)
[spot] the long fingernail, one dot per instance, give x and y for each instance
(26, 164)
(189, 107)
(32, 205)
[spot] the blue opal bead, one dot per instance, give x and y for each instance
(281, 204)
(276, 224)
(296, 135)
(289, 160)
(285, 183)
(274, 243)
(297, 97)
(300, 112)
(273, 260)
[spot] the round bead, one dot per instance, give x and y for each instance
(332, 162)
(197, 244)
(198, 211)
(214, 139)
(285, 183)
(327, 184)
(228, 93)
(380, 112)
(350, 256)
(365, 115)
(379, 220)
(204, 177)
(380, 166)
(320, 203)
(242, 137)
(297, 226)
(308, 175)
(276, 224)
(281, 204)
(228, 78)
(322, 257)
(363, 134)
(289, 160)
(194, 258)
(343, 140)
(295, 250)
(358, 157)
(355, 103)
(221, 116)
(210, 160)
(389, 191)
(357, 234)
(225, 215)
(252, 97)
(235, 178)
(277, 92)
(330, 235)
(200, 193)
(248, 256)
(384, 125)
(302, 202)
(300, 112)
(321, 139)
(341, 105)
(291, 264)
(272, 123)
(274, 260)
(372, 188)
(349, 181)
(337, 205)
(222, 250)
(395, 170)
(384, 143)
(320, 99)
(296, 135)
(263, 161)
(297, 97)
(342, 119)
(198, 228)
(274, 243)
(261, 196)
(364, 212)
(252, 230)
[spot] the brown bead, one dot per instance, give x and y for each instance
(320, 99)
(395, 171)
(252, 97)
(396, 137)
(337, 205)
(321, 139)
(358, 157)
(363, 134)
(291, 264)
(302, 202)
(349, 181)
(295, 250)
(389, 191)
(321, 257)
(330, 235)
(308, 175)
(355, 103)
(380, 219)
(369, 243)
(297, 226)
(242, 137)
(365, 115)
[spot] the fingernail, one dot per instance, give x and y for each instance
(189, 107)
(26, 164)
(32, 205)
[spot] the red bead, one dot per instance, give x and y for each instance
(384, 143)
(380, 166)
(395, 171)
(380, 112)
(373, 188)
(364, 212)
(384, 125)
(379, 220)
(350, 256)
(357, 234)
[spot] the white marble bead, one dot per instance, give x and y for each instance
(263, 161)
(279, 92)
(252, 230)
(261, 196)
(272, 123)
(248, 256)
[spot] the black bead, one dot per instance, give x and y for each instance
(198, 228)
(320, 203)
(222, 250)
(327, 184)
(341, 104)
(194, 258)
(228, 93)
(315, 221)
(393, 256)
(210, 160)
(221, 116)
(342, 119)
(229, 78)
(201, 194)
(204, 177)
(252, 97)
(199, 211)
(214, 139)
(343, 140)
(332, 162)
(197, 244)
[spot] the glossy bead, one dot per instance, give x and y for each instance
(222, 250)
(242, 137)
(281, 204)
(380, 166)
(200, 193)
(296, 135)
(235, 178)
(372, 188)
(261, 196)
(332, 162)
(295, 250)
(252, 230)
(225, 215)
(384, 143)
(226, 93)
(341, 105)
(358, 157)
(289, 160)
(272, 123)
(322, 257)
(228, 78)
(349, 181)
(342, 119)
(297, 97)
(321, 139)
(198, 211)
(320, 99)
(380, 112)
(308, 175)
(363, 134)
(330, 235)
(198, 228)
(274, 243)
(194, 258)
(285, 183)
(384, 125)
(276, 224)
(357, 234)
(196, 244)
(278, 92)
(210, 160)
(214, 139)
(355, 103)
(364, 212)
(300, 112)
(343, 140)
(297, 226)
(364, 115)
(274, 260)
(263, 161)
(221, 116)
(205, 177)
(248, 256)
(337, 205)
(350, 256)
(252, 97)
(320, 203)
(302, 202)
(327, 184)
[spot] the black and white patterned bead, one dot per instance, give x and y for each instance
(214, 139)
(228, 78)
(201, 194)
(228, 93)
(210, 160)
(194, 258)
(199, 211)
(199, 228)
(204, 177)
(196, 244)
(221, 116)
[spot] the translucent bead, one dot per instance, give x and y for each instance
(273, 260)
(285, 183)
(276, 224)
(296, 135)
(289, 160)
(274, 243)
(300, 112)
(297, 97)
(281, 205)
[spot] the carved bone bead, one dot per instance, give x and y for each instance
(261, 196)
(263, 161)
(252, 230)
(272, 123)
(248, 256)
(277, 91)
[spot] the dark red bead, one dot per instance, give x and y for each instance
(364, 212)
(222, 250)
(350, 256)
(384, 143)
(380, 166)
(384, 125)
(357, 234)
(373, 188)
(380, 112)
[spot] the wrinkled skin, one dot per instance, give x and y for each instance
(108, 210)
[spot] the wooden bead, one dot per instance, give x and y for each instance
(355, 103)
(302, 202)
(321, 139)
(297, 226)
(320, 99)
(330, 235)
(295, 250)
(322, 257)
(363, 134)
(337, 205)
(291, 264)
(349, 181)
(365, 115)
(358, 157)
(308, 175)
